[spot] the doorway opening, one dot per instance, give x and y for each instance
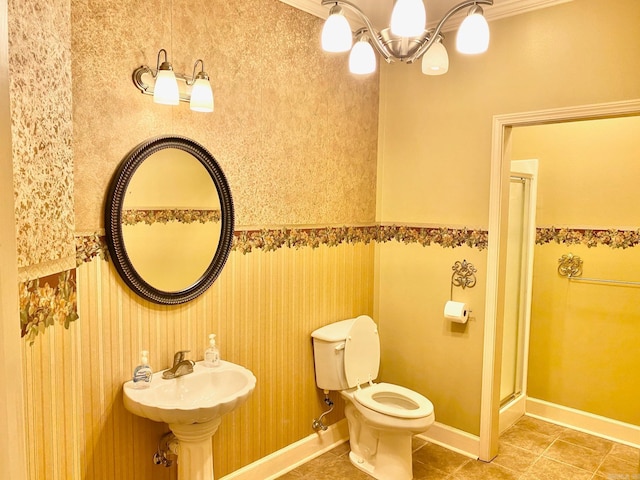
(496, 254)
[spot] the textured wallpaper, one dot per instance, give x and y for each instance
(40, 88)
(295, 133)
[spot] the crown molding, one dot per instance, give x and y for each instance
(501, 9)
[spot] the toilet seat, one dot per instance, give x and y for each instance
(394, 400)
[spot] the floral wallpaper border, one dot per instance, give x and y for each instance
(181, 215)
(52, 300)
(47, 301)
(245, 241)
(590, 237)
(270, 240)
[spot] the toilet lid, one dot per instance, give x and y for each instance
(394, 400)
(361, 352)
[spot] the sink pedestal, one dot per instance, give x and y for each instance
(193, 405)
(195, 451)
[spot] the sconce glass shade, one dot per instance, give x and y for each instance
(473, 34)
(336, 32)
(166, 90)
(436, 60)
(408, 18)
(201, 96)
(362, 59)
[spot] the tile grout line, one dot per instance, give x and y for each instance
(602, 461)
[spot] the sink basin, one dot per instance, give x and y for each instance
(193, 406)
(199, 397)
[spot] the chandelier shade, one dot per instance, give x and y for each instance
(362, 59)
(473, 34)
(408, 18)
(407, 39)
(435, 61)
(336, 32)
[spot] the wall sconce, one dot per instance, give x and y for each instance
(162, 83)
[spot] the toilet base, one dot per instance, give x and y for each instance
(380, 445)
(400, 472)
(383, 454)
(361, 463)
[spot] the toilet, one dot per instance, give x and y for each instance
(382, 417)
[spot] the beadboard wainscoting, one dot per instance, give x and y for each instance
(263, 309)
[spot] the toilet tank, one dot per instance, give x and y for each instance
(328, 355)
(346, 353)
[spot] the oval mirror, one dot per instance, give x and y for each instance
(169, 219)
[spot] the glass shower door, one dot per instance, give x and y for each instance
(514, 308)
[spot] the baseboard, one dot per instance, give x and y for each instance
(453, 439)
(585, 422)
(511, 412)
(280, 462)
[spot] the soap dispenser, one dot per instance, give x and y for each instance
(142, 375)
(212, 353)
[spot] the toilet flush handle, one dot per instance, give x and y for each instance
(340, 346)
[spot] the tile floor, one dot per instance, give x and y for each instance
(530, 450)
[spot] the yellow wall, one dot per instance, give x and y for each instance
(434, 155)
(420, 348)
(296, 136)
(584, 337)
(587, 171)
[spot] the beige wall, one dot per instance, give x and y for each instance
(263, 308)
(294, 133)
(584, 337)
(12, 446)
(435, 135)
(296, 137)
(41, 127)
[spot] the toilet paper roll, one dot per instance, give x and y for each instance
(456, 311)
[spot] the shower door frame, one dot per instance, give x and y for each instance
(496, 252)
(510, 411)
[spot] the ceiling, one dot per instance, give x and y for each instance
(379, 11)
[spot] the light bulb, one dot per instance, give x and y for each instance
(473, 34)
(166, 90)
(408, 18)
(336, 32)
(436, 60)
(201, 96)
(362, 59)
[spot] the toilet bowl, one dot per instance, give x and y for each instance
(382, 417)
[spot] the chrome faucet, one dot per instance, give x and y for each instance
(181, 366)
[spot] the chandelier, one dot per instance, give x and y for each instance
(406, 39)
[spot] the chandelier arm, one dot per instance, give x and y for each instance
(375, 36)
(435, 32)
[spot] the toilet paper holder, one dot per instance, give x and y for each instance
(464, 275)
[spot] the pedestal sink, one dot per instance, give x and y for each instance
(193, 406)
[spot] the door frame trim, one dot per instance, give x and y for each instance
(498, 209)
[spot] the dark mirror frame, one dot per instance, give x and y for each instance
(113, 217)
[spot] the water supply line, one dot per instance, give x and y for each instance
(317, 422)
(167, 450)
